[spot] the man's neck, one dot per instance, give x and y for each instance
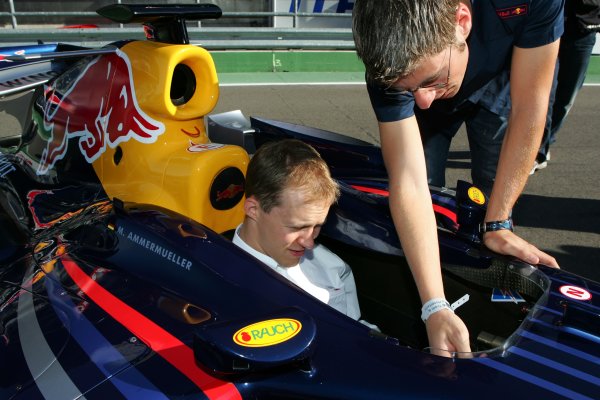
(245, 235)
(248, 233)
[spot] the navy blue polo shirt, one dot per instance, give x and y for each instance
(498, 25)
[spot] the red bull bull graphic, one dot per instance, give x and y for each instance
(107, 111)
(227, 189)
(230, 192)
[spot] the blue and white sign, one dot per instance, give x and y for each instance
(317, 7)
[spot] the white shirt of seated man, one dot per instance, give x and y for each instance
(320, 273)
(284, 239)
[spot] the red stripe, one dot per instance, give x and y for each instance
(445, 212)
(371, 190)
(438, 209)
(162, 342)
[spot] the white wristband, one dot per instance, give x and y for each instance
(439, 304)
(433, 306)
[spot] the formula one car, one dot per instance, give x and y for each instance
(118, 278)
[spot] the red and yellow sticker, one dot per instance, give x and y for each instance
(476, 195)
(267, 333)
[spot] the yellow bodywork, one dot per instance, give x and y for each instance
(178, 170)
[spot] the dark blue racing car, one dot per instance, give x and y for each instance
(119, 280)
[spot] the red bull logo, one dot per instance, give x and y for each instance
(230, 192)
(227, 189)
(97, 105)
(512, 12)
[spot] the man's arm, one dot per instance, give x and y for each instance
(412, 212)
(530, 83)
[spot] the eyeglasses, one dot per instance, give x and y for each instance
(435, 86)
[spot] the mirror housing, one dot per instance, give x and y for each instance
(281, 339)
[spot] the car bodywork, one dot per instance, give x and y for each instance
(119, 279)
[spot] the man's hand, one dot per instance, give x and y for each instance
(507, 242)
(447, 333)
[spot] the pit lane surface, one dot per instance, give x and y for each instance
(559, 210)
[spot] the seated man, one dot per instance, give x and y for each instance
(288, 194)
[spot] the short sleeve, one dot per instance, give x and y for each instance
(390, 105)
(545, 24)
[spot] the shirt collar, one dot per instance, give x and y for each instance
(257, 254)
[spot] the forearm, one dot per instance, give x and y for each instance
(415, 223)
(520, 147)
(532, 72)
(531, 80)
(412, 212)
(410, 204)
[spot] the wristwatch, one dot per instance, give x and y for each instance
(496, 226)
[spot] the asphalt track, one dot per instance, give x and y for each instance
(559, 210)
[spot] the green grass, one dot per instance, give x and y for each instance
(593, 74)
(286, 61)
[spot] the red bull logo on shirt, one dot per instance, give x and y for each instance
(512, 11)
(95, 104)
(267, 333)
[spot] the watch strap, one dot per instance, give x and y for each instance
(496, 226)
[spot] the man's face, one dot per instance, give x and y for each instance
(437, 77)
(288, 230)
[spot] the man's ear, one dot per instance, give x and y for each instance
(252, 207)
(464, 19)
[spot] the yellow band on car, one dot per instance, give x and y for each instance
(178, 168)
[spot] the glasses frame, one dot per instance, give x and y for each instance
(435, 86)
